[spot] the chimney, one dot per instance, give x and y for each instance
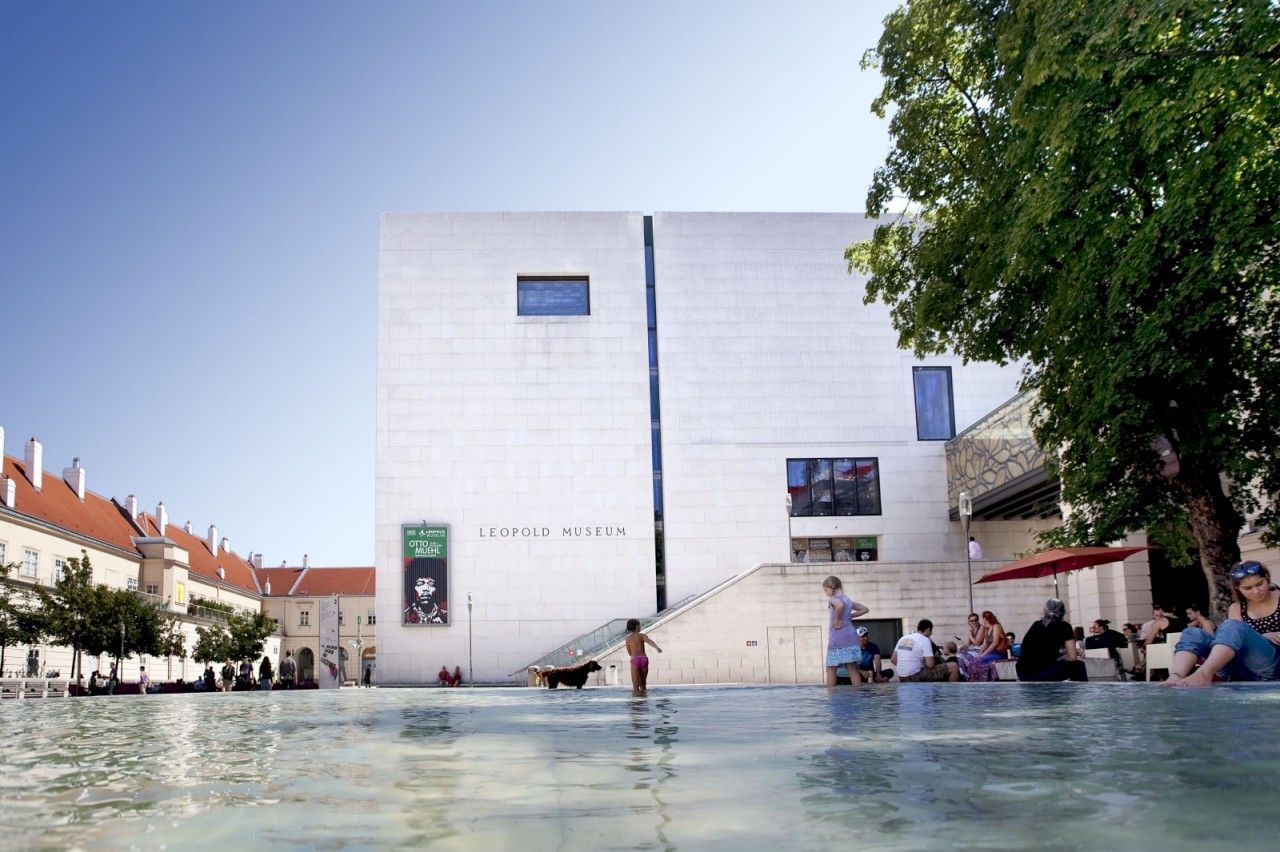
(35, 458)
(162, 517)
(267, 587)
(131, 506)
(8, 491)
(74, 476)
(306, 561)
(225, 544)
(257, 561)
(213, 539)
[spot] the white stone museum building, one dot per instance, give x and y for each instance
(608, 415)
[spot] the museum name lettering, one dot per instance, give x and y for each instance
(545, 532)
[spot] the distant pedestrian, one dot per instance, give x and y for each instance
(113, 680)
(975, 549)
(144, 680)
(210, 679)
(288, 671)
(228, 676)
(244, 680)
(265, 674)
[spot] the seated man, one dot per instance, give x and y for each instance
(443, 676)
(869, 665)
(916, 661)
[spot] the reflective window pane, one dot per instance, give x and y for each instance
(868, 487)
(823, 490)
(845, 476)
(798, 486)
(935, 418)
(538, 297)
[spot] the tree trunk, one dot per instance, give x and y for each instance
(1215, 525)
(3, 648)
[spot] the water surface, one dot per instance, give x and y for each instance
(915, 766)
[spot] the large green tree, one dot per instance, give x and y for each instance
(1089, 188)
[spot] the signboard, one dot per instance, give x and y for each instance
(330, 652)
(865, 550)
(426, 574)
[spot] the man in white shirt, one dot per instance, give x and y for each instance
(915, 660)
(975, 549)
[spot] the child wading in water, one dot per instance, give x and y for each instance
(639, 662)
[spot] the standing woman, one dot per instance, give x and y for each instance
(842, 641)
(996, 647)
(1246, 645)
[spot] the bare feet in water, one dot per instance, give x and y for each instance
(1191, 680)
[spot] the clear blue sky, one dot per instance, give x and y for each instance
(190, 198)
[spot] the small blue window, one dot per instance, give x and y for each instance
(935, 409)
(552, 297)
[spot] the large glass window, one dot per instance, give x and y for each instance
(935, 411)
(30, 562)
(821, 487)
(552, 297)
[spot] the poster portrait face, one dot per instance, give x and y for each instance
(425, 594)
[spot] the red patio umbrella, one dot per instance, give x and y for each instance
(1057, 560)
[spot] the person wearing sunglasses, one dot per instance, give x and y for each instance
(1246, 646)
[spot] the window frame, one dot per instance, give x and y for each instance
(583, 280)
(951, 399)
(304, 618)
(30, 563)
(812, 464)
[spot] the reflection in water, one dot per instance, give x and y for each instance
(885, 766)
(652, 753)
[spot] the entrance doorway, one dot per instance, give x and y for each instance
(306, 665)
(795, 654)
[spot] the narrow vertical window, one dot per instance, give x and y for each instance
(552, 297)
(935, 409)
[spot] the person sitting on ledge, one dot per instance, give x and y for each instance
(1049, 648)
(442, 677)
(1246, 646)
(456, 679)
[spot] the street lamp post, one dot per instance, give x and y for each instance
(121, 657)
(966, 516)
(471, 669)
(358, 643)
(789, 539)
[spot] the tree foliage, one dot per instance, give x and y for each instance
(21, 622)
(241, 638)
(1093, 194)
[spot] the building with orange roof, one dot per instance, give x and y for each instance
(292, 597)
(46, 520)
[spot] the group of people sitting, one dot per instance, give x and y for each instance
(446, 679)
(1244, 647)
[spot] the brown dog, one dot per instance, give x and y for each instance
(575, 676)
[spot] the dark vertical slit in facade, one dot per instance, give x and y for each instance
(655, 424)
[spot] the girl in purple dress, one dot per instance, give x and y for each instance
(842, 641)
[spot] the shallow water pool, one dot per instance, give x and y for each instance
(915, 766)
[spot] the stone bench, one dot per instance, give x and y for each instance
(1097, 669)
